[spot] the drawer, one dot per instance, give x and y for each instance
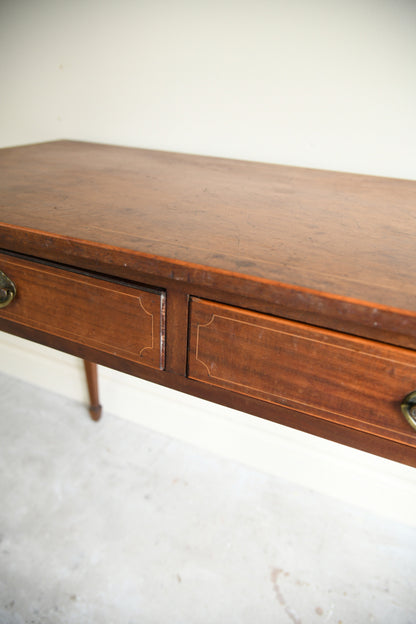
(112, 317)
(347, 380)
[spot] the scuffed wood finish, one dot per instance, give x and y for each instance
(351, 381)
(301, 282)
(323, 238)
(112, 318)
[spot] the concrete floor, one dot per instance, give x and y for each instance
(113, 523)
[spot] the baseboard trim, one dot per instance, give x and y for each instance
(378, 485)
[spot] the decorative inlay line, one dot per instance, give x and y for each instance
(299, 336)
(263, 261)
(282, 399)
(64, 332)
(152, 332)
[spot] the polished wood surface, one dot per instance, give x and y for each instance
(347, 234)
(107, 316)
(146, 250)
(352, 381)
(332, 241)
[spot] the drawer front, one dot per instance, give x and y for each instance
(351, 381)
(114, 318)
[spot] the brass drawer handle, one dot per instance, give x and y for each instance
(7, 290)
(409, 408)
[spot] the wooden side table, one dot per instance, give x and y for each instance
(284, 292)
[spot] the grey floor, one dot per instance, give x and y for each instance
(112, 523)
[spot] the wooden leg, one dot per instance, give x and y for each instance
(92, 381)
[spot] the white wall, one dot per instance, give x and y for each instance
(326, 83)
(320, 83)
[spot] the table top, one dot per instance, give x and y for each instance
(346, 234)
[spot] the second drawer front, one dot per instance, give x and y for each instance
(351, 381)
(114, 318)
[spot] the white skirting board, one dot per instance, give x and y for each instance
(379, 485)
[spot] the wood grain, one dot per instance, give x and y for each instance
(351, 381)
(122, 320)
(301, 282)
(338, 233)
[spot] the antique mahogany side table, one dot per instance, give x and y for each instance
(285, 292)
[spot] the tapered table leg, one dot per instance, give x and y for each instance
(92, 381)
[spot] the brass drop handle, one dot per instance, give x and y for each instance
(7, 290)
(409, 408)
